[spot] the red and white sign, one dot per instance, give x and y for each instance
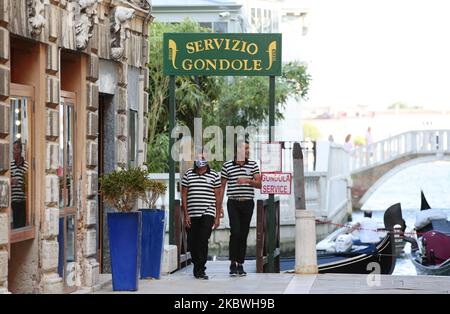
(276, 183)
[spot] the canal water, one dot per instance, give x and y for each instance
(404, 187)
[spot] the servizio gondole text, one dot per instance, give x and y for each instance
(222, 64)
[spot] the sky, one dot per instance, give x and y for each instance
(375, 53)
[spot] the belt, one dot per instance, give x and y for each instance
(240, 199)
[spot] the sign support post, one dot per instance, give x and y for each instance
(172, 111)
(271, 214)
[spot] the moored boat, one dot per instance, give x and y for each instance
(430, 249)
(362, 258)
(379, 258)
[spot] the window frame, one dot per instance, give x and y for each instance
(68, 211)
(132, 160)
(27, 232)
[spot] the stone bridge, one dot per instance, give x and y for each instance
(371, 166)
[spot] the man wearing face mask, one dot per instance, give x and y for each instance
(200, 201)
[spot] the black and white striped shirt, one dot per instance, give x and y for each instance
(201, 199)
(19, 173)
(232, 171)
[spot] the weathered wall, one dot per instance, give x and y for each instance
(111, 29)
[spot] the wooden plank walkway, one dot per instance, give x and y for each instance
(183, 282)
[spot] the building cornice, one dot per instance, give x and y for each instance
(138, 11)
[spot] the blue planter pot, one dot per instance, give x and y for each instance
(124, 244)
(153, 223)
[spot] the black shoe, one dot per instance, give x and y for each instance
(240, 270)
(202, 276)
(233, 270)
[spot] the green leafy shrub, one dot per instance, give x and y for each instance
(154, 189)
(122, 188)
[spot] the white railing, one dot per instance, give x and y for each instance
(338, 182)
(424, 142)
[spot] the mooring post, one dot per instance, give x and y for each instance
(305, 221)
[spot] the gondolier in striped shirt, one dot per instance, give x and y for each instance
(200, 196)
(242, 176)
(19, 169)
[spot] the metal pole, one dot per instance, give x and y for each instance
(271, 209)
(172, 112)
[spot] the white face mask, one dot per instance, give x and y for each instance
(201, 163)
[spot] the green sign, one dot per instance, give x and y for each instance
(222, 54)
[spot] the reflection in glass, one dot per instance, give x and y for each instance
(69, 143)
(66, 160)
(60, 171)
(220, 27)
(67, 197)
(70, 251)
(132, 137)
(206, 24)
(19, 146)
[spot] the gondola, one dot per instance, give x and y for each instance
(430, 250)
(442, 269)
(366, 258)
(362, 258)
(363, 261)
(378, 259)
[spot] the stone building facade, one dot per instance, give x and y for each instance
(73, 75)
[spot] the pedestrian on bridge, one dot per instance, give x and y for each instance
(369, 143)
(348, 145)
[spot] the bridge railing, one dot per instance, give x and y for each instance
(327, 191)
(412, 142)
(337, 183)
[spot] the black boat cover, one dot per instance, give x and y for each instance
(393, 216)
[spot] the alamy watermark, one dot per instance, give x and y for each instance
(374, 278)
(209, 141)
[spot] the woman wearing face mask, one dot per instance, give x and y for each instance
(200, 201)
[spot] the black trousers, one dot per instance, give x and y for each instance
(19, 212)
(240, 214)
(198, 237)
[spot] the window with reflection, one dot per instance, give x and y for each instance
(20, 162)
(66, 155)
(220, 27)
(67, 191)
(70, 251)
(206, 24)
(132, 137)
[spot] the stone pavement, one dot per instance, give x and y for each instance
(183, 282)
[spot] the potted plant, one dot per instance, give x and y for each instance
(153, 229)
(121, 189)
